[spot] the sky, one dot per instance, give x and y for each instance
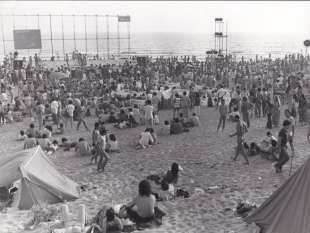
(183, 16)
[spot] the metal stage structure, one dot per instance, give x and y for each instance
(89, 34)
(220, 37)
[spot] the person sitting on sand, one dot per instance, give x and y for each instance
(22, 136)
(44, 142)
(142, 208)
(31, 130)
(165, 193)
(113, 223)
(82, 148)
(60, 130)
(47, 130)
(145, 140)
(176, 127)
(172, 175)
(30, 142)
(53, 147)
(164, 129)
(112, 145)
(66, 144)
(195, 119)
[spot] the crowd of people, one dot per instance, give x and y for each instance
(132, 93)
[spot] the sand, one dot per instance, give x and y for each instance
(205, 156)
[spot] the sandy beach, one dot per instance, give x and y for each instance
(205, 156)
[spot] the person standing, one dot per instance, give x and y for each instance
(245, 108)
(303, 110)
(240, 132)
(283, 139)
(54, 109)
(40, 114)
(185, 104)
(100, 150)
(276, 111)
(223, 110)
(70, 110)
(148, 111)
(80, 115)
(176, 105)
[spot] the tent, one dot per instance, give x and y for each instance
(40, 182)
(287, 210)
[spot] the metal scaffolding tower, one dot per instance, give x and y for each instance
(87, 36)
(220, 37)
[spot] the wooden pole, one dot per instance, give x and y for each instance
(85, 32)
(74, 39)
(51, 30)
(128, 30)
(97, 48)
(108, 37)
(63, 36)
(118, 40)
(3, 39)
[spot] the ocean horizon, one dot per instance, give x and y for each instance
(170, 44)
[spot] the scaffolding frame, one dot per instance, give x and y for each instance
(220, 37)
(86, 38)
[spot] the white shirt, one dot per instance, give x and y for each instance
(70, 109)
(54, 107)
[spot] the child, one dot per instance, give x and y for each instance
(156, 118)
(53, 147)
(112, 145)
(22, 136)
(165, 129)
(195, 120)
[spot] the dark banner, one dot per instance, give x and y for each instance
(124, 18)
(27, 39)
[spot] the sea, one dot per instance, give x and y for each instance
(168, 44)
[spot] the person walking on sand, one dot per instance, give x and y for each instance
(223, 110)
(283, 138)
(245, 108)
(241, 129)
